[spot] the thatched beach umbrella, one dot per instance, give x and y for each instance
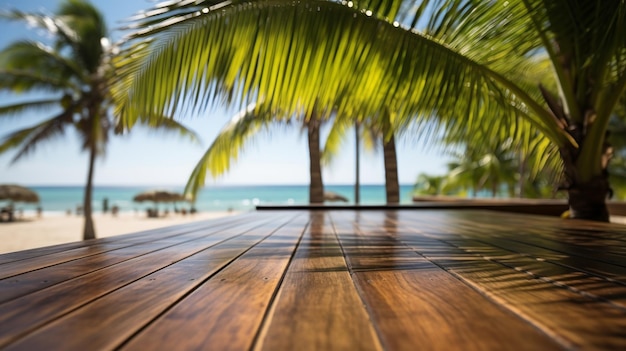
(16, 193)
(157, 196)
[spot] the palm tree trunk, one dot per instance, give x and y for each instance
(357, 181)
(88, 230)
(392, 187)
(586, 199)
(316, 187)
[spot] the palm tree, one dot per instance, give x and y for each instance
(392, 185)
(461, 61)
(463, 175)
(374, 132)
(494, 164)
(242, 128)
(497, 168)
(426, 184)
(77, 75)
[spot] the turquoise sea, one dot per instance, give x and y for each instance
(58, 199)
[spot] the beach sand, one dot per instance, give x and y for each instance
(31, 232)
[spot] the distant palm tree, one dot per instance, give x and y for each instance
(494, 165)
(427, 184)
(388, 137)
(374, 132)
(78, 76)
(241, 129)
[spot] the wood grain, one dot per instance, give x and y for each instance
(23, 315)
(331, 280)
(421, 304)
(599, 323)
(317, 307)
(20, 266)
(25, 283)
(225, 312)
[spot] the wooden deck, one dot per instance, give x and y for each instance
(326, 280)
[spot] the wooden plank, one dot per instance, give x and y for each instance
(101, 246)
(598, 324)
(596, 236)
(432, 309)
(225, 312)
(27, 313)
(583, 264)
(557, 246)
(132, 237)
(317, 307)
(565, 276)
(550, 269)
(22, 284)
(594, 245)
(425, 305)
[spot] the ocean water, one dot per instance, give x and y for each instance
(58, 199)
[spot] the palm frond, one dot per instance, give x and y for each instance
(39, 105)
(169, 125)
(41, 21)
(338, 131)
(168, 13)
(90, 32)
(23, 81)
(227, 146)
(28, 139)
(587, 36)
(28, 58)
(372, 64)
(77, 25)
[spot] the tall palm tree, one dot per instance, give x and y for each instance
(459, 60)
(374, 132)
(241, 129)
(77, 75)
(392, 185)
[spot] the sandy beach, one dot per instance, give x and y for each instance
(31, 232)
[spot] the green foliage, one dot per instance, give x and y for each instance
(77, 74)
(331, 51)
(466, 66)
(428, 185)
(226, 147)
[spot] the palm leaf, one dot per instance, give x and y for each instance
(27, 64)
(336, 135)
(30, 138)
(227, 146)
(169, 125)
(89, 29)
(40, 105)
(196, 59)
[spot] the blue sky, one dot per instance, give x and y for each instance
(149, 158)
